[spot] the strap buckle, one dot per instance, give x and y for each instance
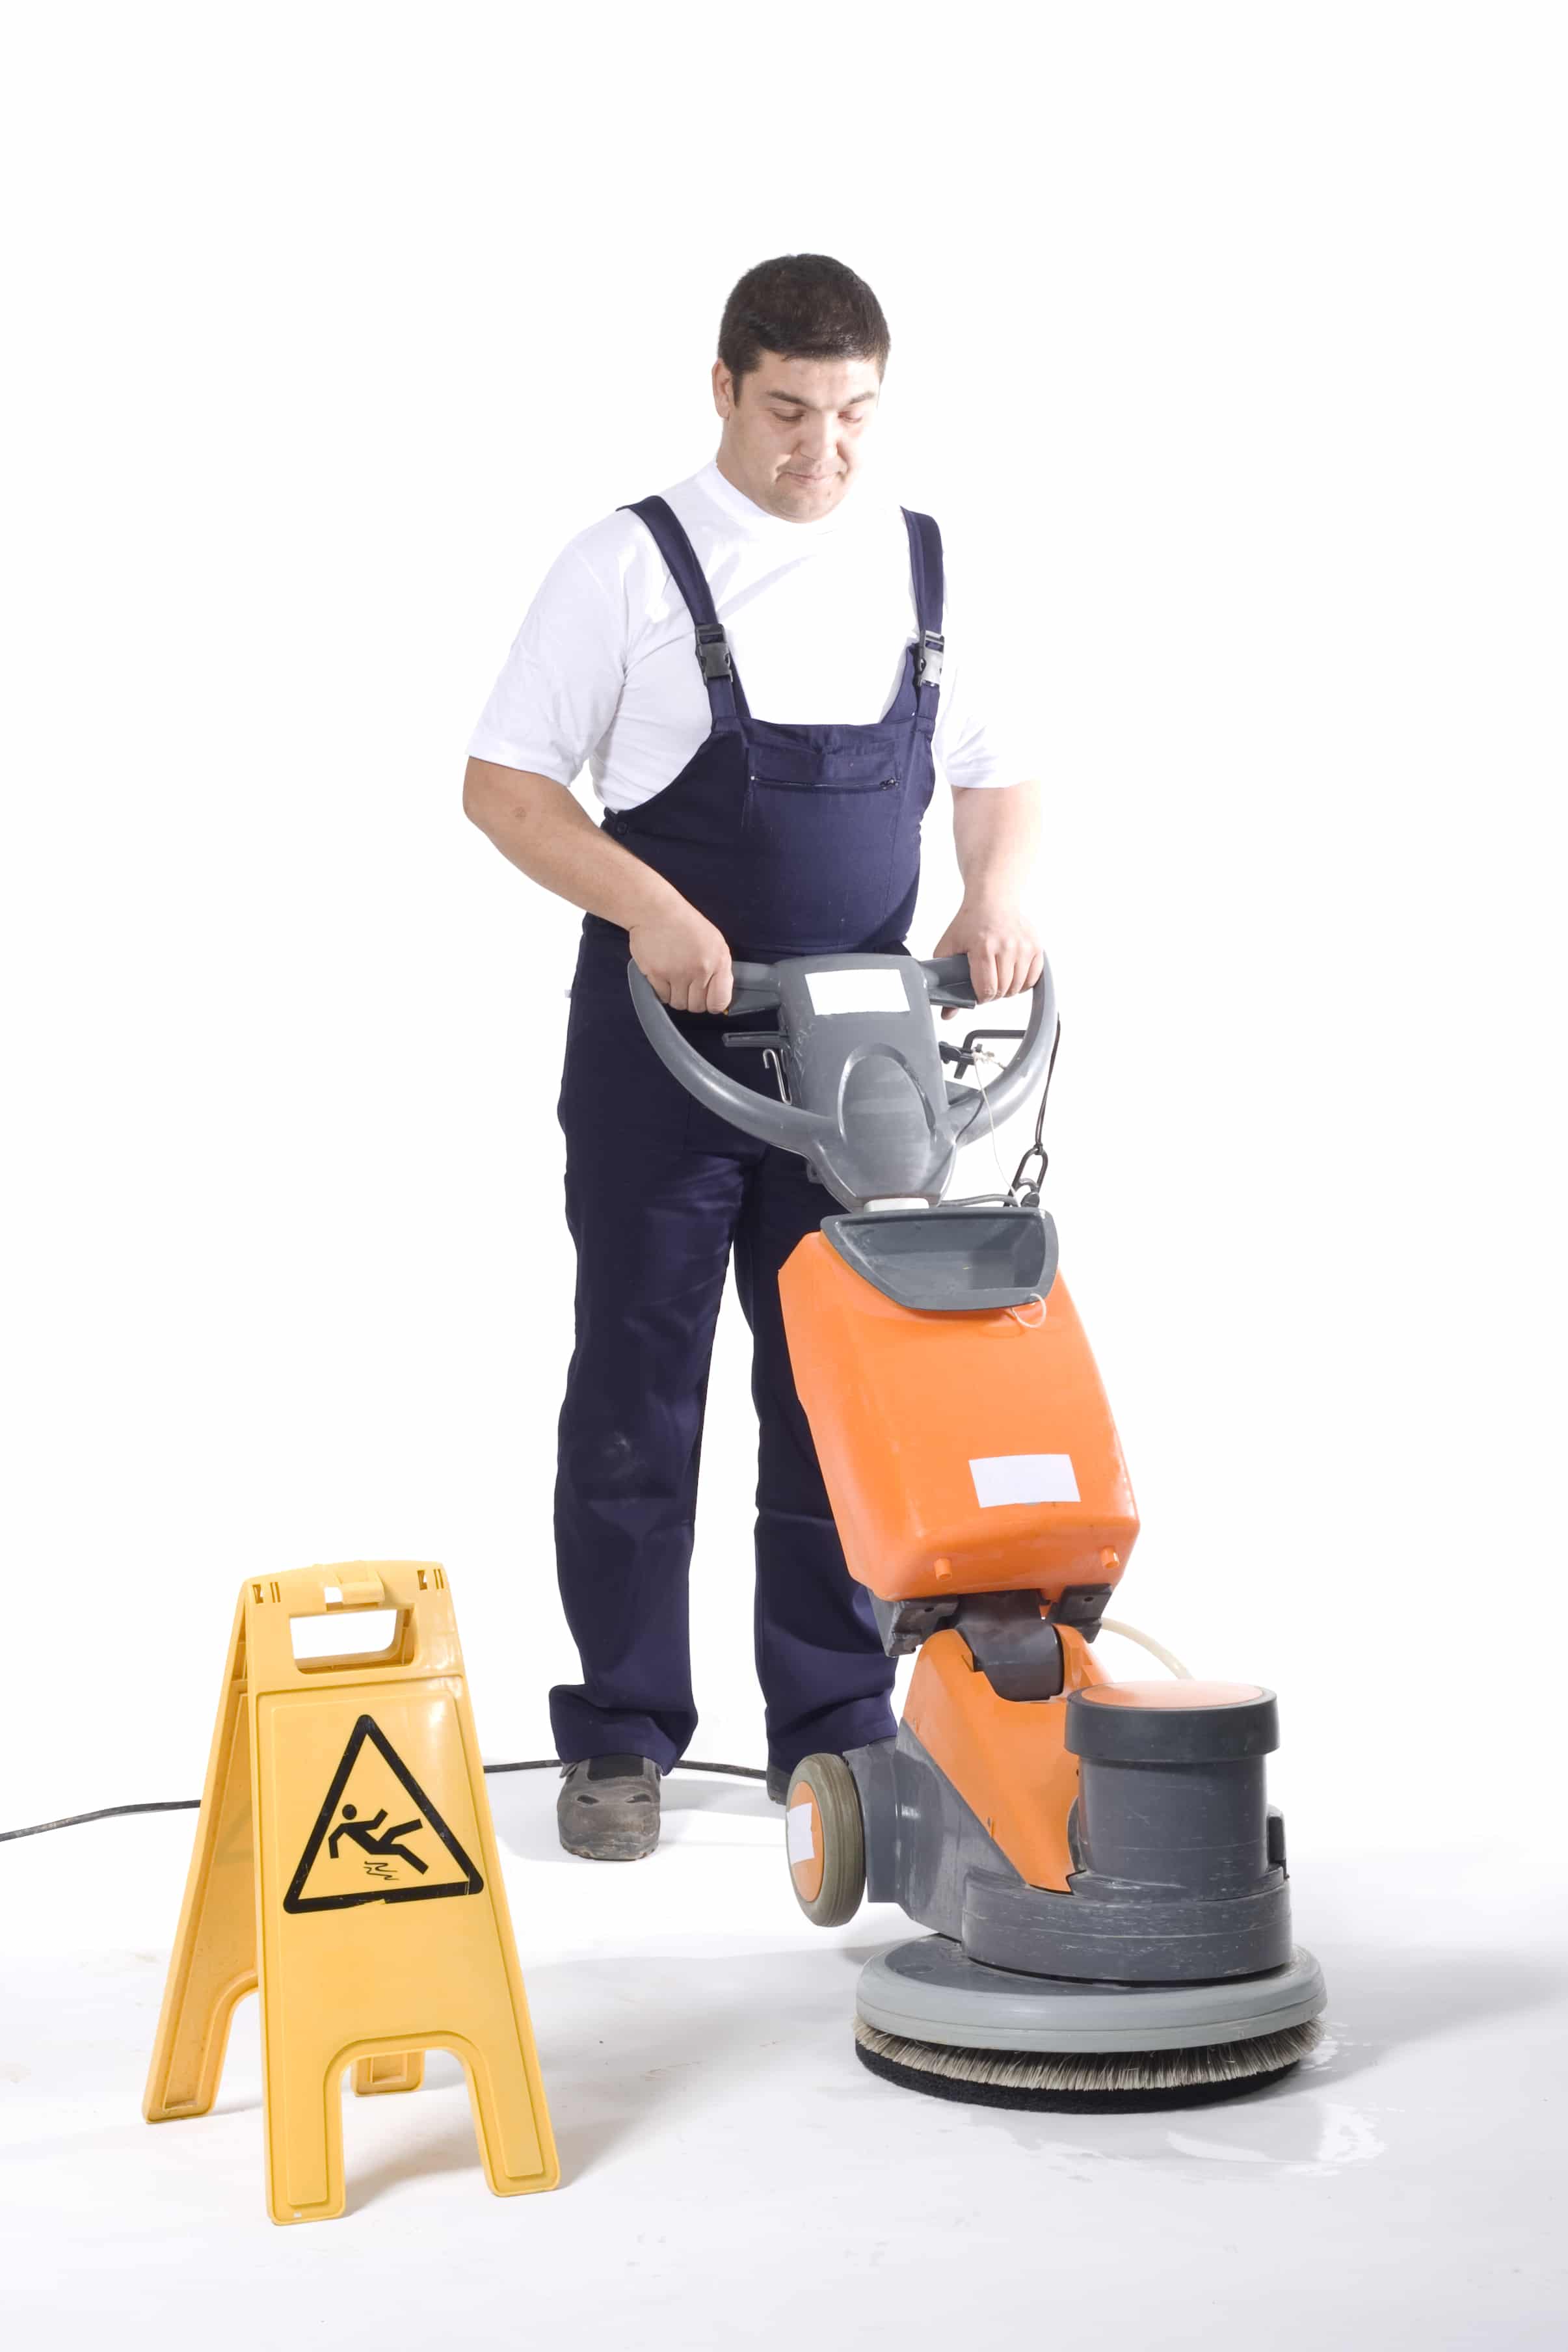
(713, 651)
(928, 658)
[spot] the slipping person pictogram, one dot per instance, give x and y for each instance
(357, 1850)
(363, 1834)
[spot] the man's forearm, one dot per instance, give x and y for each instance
(995, 833)
(551, 837)
(535, 824)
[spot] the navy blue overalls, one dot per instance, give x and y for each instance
(792, 841)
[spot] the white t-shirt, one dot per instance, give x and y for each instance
(820, 614)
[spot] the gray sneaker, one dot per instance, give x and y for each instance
(777, 1785)
(608, 1810)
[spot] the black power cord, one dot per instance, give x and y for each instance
(193, 1804)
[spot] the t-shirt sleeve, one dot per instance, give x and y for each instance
(978, 740)
(559, 685)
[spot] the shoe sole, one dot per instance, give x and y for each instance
(612, 1849)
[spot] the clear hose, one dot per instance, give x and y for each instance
(1146, 1641)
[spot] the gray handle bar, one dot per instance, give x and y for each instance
(805, 1129)
(756, 986)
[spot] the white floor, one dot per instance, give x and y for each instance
(732, 2176)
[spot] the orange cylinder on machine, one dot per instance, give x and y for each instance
(962, 1452)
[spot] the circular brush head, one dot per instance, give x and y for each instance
(1085, 2082)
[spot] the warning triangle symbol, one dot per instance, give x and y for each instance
(377, 1838)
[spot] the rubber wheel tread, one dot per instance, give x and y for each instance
(844, 1839)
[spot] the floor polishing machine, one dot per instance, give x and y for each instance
(1101, 1871)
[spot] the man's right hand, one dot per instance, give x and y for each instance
(685, 960)
(536, 823)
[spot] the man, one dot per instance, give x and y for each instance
(770, 583)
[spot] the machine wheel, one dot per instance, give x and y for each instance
(826, 1840)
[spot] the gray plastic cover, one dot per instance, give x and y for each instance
(947, 1259)
(930, 1991)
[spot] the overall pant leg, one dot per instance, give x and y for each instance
(825, 1677)
(652, 1226)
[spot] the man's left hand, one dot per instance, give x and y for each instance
(1005, 956)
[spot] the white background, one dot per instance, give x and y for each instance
(1232, 341)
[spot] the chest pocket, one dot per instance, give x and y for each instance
(829, 759)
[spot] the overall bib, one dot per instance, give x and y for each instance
(792, 841)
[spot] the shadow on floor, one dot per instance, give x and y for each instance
(1382, 1999)
(625, 2039)
(631, 2043)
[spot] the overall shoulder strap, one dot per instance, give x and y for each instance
(712, 645)
(926, 568)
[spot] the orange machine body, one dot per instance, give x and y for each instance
(1008, 1758)
(962, 1452)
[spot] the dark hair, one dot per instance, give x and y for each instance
(804, 306)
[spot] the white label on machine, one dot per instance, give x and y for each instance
(802, 1846)
(1023, 1478)
(857, 992)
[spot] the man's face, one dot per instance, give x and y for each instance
(792, 441)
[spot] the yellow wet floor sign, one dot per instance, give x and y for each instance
(345, 1865)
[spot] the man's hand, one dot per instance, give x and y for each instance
(1005, 956)
(685, 958)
